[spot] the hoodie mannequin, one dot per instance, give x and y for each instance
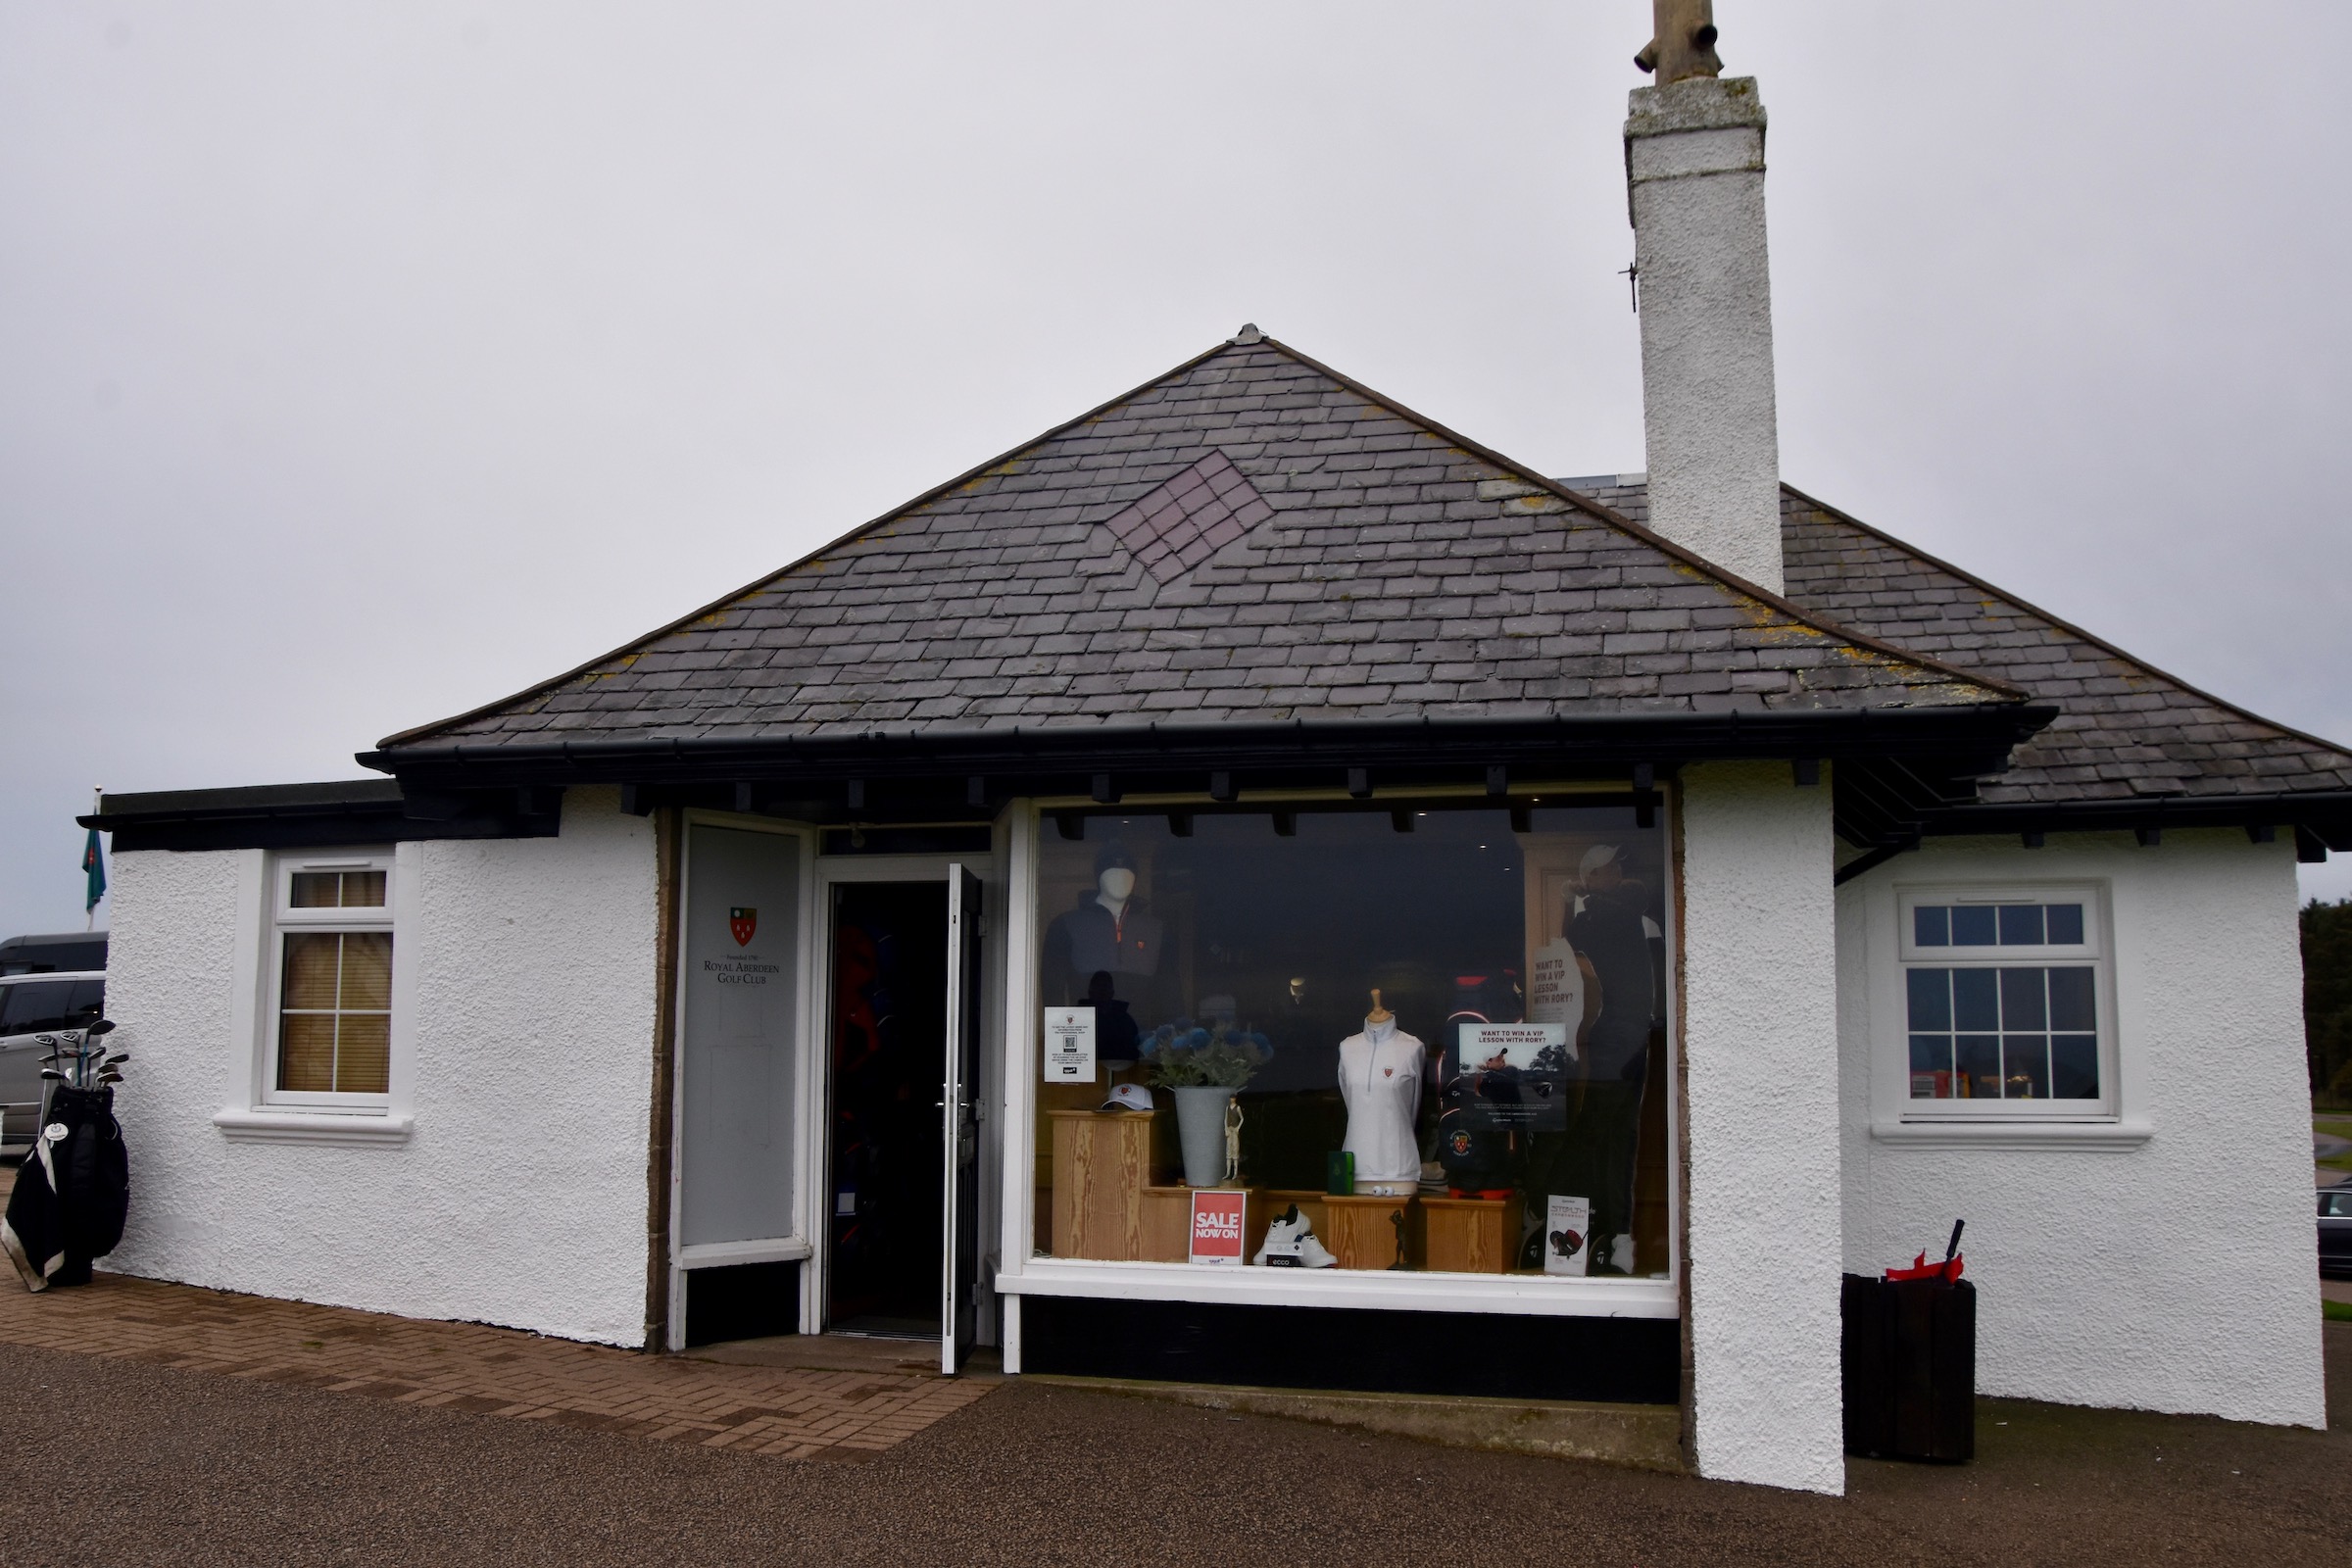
(1380, 1079)
(1110, 931)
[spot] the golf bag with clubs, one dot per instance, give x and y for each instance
(72, 1192)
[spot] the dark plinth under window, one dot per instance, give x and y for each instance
(741, 1301)
(1483, 1355)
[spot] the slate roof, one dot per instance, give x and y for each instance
(1252, 538)
(2124, 731)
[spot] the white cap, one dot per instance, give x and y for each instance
(1128, 1097)
(1597, 855)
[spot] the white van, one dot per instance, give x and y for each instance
(31, 1005)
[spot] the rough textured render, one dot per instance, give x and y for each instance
(1760, 1052)
(2124, 729)
(2165, 1272)
(534, 964)
(1694, 172)
(1394, 571)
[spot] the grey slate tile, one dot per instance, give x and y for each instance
(1247, 519)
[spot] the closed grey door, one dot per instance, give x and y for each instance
(740, 1067)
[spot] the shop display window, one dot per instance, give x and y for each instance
(1426, 1036)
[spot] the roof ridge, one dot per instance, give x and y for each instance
(2060, 622)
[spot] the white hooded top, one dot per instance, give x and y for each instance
(1380, 1079)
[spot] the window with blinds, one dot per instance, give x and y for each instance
(335, 980)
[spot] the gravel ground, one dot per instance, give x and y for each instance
(139, 1464)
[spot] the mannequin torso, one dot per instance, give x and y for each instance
(1380, 1079)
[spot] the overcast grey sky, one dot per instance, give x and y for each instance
(361, 363)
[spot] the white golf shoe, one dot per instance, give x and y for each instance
(1290, 1243)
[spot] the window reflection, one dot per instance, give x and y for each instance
(1416, 1037)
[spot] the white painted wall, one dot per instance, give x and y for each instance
(520, 1197)
(2173, 1272)
(1760, 1055)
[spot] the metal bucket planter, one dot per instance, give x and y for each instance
(1200, 1130)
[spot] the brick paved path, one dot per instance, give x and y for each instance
(797, 1411)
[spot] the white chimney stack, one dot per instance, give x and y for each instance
(1694, 172)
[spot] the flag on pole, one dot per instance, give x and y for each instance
(93, 866)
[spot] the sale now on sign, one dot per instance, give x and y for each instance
(1219, 1221)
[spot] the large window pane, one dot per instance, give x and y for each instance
(364, 1054)
(2023, 999)
(312, 962)
(2026, 1066)
(2072, 1006)
(367, 970)
(1931, 997)
(1932, 1067)
(1973, 925)
(2021, 1032)
(1976, 1000)
(335, 1013)
(1976, 1059)
(306, 1053)
(2021, 925)
(2074, 1066)
(1497, 1108)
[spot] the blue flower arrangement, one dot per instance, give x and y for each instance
(1221, 1056)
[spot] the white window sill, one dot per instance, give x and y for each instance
(1394, 1291)
(2106, 1136)
(313, 1126)
(719, 1255)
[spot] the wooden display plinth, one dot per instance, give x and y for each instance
(1103, 1160)
(1469, 1234)
(1357, 1230)
(1168, 1223)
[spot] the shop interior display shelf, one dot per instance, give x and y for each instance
(1469, 1234)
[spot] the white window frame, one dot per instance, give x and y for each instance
(2096, 951)
(1022, 1272)
(287, 920)
(264, 1112)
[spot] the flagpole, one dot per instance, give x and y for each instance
(89, 911)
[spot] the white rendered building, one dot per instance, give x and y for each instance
(766, 975)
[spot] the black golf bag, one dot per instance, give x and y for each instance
(73, 1192)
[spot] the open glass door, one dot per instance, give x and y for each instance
(959, 1126)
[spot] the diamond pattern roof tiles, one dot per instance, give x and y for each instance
(1190, 517)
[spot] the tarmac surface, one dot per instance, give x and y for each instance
(120, 1461)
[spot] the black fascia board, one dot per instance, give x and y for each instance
(2326, 813)
(1598, 745)
(247, 798)
(272, 816)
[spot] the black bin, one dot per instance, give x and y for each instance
(1910, 1368)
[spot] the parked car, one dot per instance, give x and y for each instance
(31, 1005)
(2335, 1230)
(60, 953)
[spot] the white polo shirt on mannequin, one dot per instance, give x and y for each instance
(1380, 1079)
